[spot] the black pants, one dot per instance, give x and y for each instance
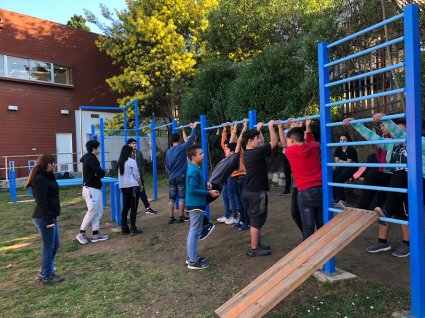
(295, 211)
(130, 197)
(144, 198)
(341, 175)
(288, 173)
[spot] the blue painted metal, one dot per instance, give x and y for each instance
(367, 187)
(31, 164)
(252, 119)
(363, 75)
(225, 125)
(154, 171)
(183, 126)
(366, 120)
(163, 126)
(112, 200)
(293, 120)
(414, 153)
(369, 50)
(125, 127)
(388, 220)
(174, 127)
(326, 137)
(101, 108)
(102, 156)
(12, 185)
(204, 143)
(93, 132)
(368, 165)
(118, 203)
(367, 142)
(358, 99)
(136, 122)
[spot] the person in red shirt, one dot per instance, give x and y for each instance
(304, 156)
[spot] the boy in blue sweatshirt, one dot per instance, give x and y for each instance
(196, 192)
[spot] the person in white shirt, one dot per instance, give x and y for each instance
(130, 185)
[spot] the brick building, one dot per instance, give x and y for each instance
(47, 70)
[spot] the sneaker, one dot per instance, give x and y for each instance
(237, 225)
(341, 204)
(231, 221)
(99, 237)
(149, 210)
(222, 219)
(82, 238)
(200, 259)
(258, 252)
(171, 220)
(183, 219)
(125, 230)
(134, 231)
(378, 247)
(244, 227)
(206, 231)
(285, 192)
(54, 279)
(197, 265)
(402, 251)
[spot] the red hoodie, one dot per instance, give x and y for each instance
(305, 164)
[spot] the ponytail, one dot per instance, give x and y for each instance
(42, 162)
(33, 172)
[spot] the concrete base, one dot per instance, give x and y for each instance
(322, 277)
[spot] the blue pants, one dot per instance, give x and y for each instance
(239, 183)
(311, 210)
(50, 239)
(195, 229)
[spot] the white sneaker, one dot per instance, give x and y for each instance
(82, 238)
(231, 221)
(222, 219)
(341, 204)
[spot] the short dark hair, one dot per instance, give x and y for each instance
(92, 144)
(346, 136)
(231, 146)
(130, 140)
(175, 137)
(250, 134)
(191, 150)
(297, 133)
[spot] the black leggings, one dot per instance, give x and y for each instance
(130, 198)
(342, 175)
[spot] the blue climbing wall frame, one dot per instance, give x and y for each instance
(411, 66)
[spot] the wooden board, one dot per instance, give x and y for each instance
(271, 287)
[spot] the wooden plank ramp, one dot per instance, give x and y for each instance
(271, 287)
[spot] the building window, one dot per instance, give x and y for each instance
(18, 68)
(41, 71)
(33, 70)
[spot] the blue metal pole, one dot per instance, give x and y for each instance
(136, 123)
(414, 153)
(326, 137)
(12, 185)
(154, 172)
(252, 119)
(118, 203)
(204, 143)
(93, 132)
(174, 126)
(112, 199)
(125, 125)
(102, 156)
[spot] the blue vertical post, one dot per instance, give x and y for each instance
(252, 119)
(204, 142)
(12, 185)
(414, 153)
(118, 203)
(112, 199)
(125, 124)
(102, 156)
(154, 172)
(326, 136)
(174, 126)
(136, 123)
(93, 132)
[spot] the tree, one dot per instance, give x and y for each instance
(157, 45)
(78, 21)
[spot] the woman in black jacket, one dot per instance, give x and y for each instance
(46, 193)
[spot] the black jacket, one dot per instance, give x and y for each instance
(45, 190)
(92, 172)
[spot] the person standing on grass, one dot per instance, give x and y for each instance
(254, 194)
(45, 190)
(130, 185)
(138, 156)
(176, 164)
(92, 183)
(196, 203)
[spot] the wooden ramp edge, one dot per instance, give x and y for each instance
(271, 287)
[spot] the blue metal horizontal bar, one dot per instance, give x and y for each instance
(162, 126)
(183, 126)
(128, 129)
(368, 165)
(358, 99)
(389, 220)
(102, 107)
(369, 50)
(367, 142)
(144, 126)
(372, 27)
(354, 78)
(366, 187)
(116, 137)
(225, 125)
(367, 120)
(297, 119)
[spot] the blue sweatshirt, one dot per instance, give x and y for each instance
(196, 190)
(176, 159)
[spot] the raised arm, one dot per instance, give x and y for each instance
(239, 143)
(273, 136)
(282, 139)
(184, 134)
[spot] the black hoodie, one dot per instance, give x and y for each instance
(45, 190)
(92, 172)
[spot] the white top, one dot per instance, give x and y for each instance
(130, 176)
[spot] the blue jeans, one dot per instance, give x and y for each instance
(239, 182)
(195, 229)
(230, 185)
(226, 204)
(50, 239)
(311, 210)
